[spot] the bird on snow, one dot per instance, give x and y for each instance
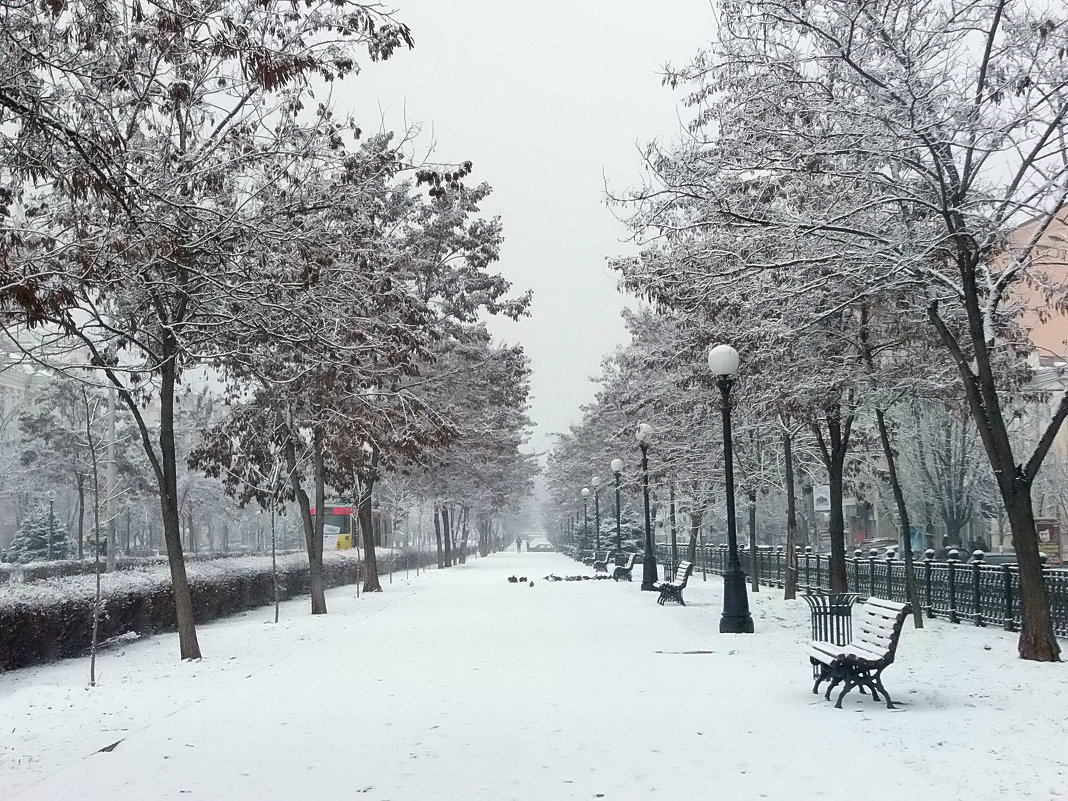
(512, 580)
(532, 584)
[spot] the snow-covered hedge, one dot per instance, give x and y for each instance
(58, 568)
(52, 619)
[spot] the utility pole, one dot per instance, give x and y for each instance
(111, 481)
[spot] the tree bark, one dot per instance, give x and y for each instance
(671, 522)
(790, 585)
(833, 449)
(313, 536)
(188, 646)
(371, 582)
(696, 513)
(437, 534)
(80, 484)
(903, 515)
(463, 534)
(1037, 640)
(754, 557)
(446, 533)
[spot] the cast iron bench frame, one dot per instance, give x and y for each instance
(878, 624)
(672, 590)
(626, 570)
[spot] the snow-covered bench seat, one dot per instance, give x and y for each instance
(672, 590)
(877, 627)
(625, 570)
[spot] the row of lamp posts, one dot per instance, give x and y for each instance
(736, 619)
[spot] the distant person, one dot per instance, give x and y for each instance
(518, 545)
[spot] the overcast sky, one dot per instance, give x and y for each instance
(548, 100)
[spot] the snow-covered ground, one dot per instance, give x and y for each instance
(459, 685)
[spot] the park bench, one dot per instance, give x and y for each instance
(601, 565)
(625, 570)
(877, 625)
(672, 590)
(593, 558)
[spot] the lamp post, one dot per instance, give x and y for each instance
(723, 362)
(586, 516)
(617, 468)
(596, 482)
(649, 576)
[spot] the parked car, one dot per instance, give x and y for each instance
(540, 546)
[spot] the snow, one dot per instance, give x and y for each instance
(458, 684)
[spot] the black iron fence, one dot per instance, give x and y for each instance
(955, 589)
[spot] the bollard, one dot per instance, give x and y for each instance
(889, 573)
(977, 561)
(928, 558)
(857, 556)
(778, 566)
(951, 567)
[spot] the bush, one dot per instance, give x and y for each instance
(52, 619)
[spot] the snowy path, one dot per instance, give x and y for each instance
(458, 685)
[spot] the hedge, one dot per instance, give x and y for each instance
(60, 568)
(52, 619)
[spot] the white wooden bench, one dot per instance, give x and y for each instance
(877, 627)
(672, 590)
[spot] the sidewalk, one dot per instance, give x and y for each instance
(459, 685)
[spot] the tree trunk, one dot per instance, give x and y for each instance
(903, 515)
(695, 532)
(463, 534)
(754, 557)
(1037, 640)
(313, 537)
(80, 484)
(671, 522)
(316, 585)
(836, 528)
(188, 646)
(437, 534)
(371, 582)
(446, 533)
(790, 585)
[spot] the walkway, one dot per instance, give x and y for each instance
(459, 685)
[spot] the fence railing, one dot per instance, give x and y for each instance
(956, 590)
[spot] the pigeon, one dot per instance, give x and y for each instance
(532, 584)
(512, 580)
(522, 579)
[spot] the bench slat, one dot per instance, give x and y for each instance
(894, 607)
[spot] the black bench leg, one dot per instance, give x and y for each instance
(878, 682)
(850, 683)
(834, 682)
(678, 598)
(824, 675)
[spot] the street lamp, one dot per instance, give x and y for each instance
(723, 362)
(617, 468)
(649, 576)
(596, 482)
(586, 516)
